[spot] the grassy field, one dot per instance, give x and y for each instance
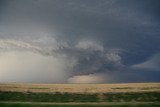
(82, 88)
(137, 94)
(80, 97)
(80, 105)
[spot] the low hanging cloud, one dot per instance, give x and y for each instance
(32, 62)
(14, 44)
(89, 45)
(22, 66)
(153, 63)
(99, 77)
(86, 79)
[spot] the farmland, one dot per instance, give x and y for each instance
(81, 88)
(80, 105)
(126, 95)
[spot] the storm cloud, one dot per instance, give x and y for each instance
(76, 41)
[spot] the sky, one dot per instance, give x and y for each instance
(79, 41)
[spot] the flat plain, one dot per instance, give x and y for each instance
(80, 95)
(81, 88)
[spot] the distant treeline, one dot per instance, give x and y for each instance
(80, 97)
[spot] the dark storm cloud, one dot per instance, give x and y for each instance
(96, 36)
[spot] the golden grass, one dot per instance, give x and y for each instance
(81, 88)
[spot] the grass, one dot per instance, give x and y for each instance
(149, 88)
(39, 88)
(81, 88)
(80, 97)
(78, 105)
(123, 88)
(128, 97)
(136, 95)
(47, 97)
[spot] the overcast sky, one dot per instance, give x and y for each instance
(79, 41)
